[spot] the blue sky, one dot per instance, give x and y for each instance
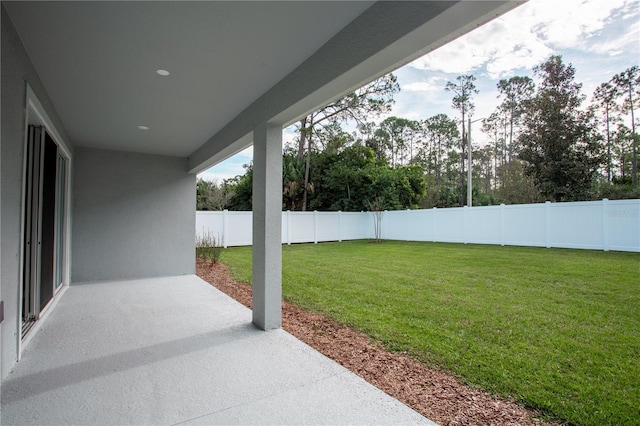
(599, 37)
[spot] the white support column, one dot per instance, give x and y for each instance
(267, 226)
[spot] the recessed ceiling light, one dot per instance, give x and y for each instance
(163, 73)
(142, 127)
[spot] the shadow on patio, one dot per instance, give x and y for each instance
(175, 350)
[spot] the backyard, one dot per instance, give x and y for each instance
(555, 329)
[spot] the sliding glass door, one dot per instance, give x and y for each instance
(43, 255)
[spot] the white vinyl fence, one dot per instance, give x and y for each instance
(597, 225)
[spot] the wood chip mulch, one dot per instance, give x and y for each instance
(433, 393)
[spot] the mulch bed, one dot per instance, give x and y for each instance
(433, 393)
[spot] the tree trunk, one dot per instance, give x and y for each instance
(495, 166)
(303, 137)
(462, 157)
(438, 154)
(634, 159)
(511, 136)
(306, 177)
(608, 145)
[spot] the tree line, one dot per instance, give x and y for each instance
(544, 143)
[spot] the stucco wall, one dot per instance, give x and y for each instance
(133, 216)
(17, 70)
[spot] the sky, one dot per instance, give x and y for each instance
(600, 38)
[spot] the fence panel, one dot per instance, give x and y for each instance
(599, 225)
(621, 219)
(394, 225)
(524, 225)
(575, 225)
(328, 226)
(483, 225)
(239, 228)
(420, 224)
(209, 223)
(357, 226)
(302, 227)
(448, 225)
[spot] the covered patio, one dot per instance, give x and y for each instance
(109, 111)
(175, 350)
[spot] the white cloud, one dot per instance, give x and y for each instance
(229, 168)
(428, 84)
(618, 44)
(419, 86)
(526, 36)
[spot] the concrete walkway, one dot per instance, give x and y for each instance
(177, 351)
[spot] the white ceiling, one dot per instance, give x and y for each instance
(231, 63)
(98, 62)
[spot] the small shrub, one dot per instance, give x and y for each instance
(209, 248)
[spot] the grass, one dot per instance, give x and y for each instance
(557, 329)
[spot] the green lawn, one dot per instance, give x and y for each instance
(557, 329)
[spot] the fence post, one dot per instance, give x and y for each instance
(224, 228)
(547, 223)
(408, 226)
(605, 224)
(465, 221)
(433, 224)
(288, 227)
(315, 227)
(381, 219)
(502, 225)
(339, 226)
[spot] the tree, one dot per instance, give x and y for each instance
(519, 187)
(293, 181)
(376, 207)
(482, 157)
(440, 134)
(496, 128)
(559, 145)
(397, 136)
(352, 178)
(463, 90)
(371, 100)
(242, 187)
(628, 85)
(332, 138)
(605, 96)
(341, 178)
(211, 196)
(623, 140)
(516, 91)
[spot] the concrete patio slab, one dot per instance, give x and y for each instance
(175, 350)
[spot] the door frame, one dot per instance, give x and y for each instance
(35, 114)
